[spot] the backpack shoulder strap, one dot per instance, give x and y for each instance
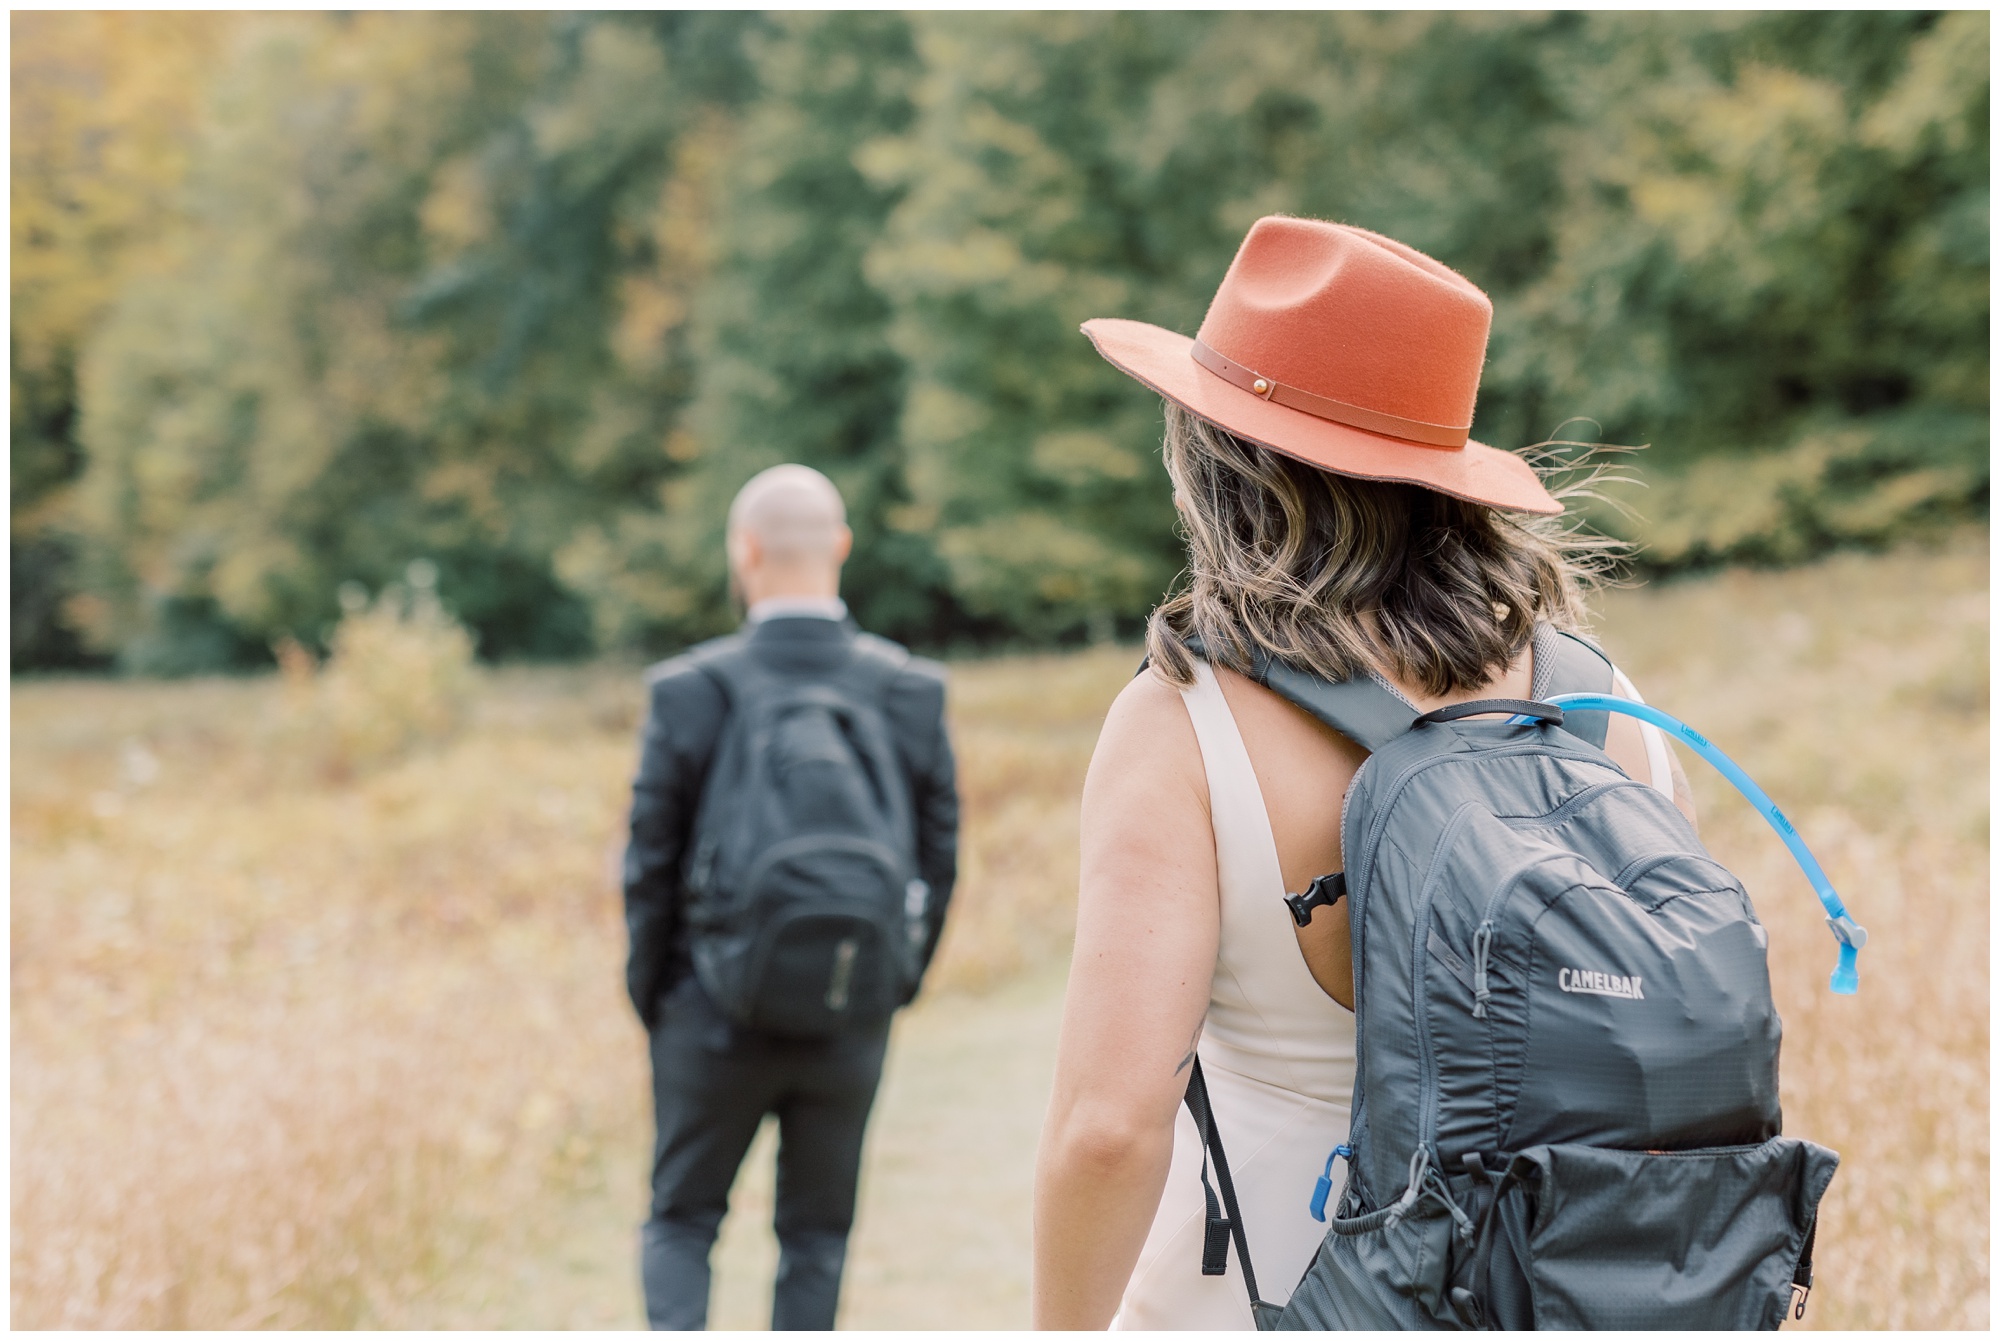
(1568, 663)
(729, 665)
(1363, 708)
(727, 662)
(1225, 1220)
(871, 669)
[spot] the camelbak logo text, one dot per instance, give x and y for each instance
(1599, 984)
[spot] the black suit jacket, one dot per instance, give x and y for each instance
(683, 724)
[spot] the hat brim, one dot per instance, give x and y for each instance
(1160, 359)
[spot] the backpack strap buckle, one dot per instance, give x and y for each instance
(1321, 893)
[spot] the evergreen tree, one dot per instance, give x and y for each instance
(793, 353)
(1067, 167)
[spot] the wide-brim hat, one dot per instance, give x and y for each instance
(1344, 349)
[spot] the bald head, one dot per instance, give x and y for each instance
(788, 534)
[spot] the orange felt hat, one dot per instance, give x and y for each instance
(1345, 349)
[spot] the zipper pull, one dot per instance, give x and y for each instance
(1482, 942)
(1324, 1187)
(1420, 1167)
(702, 867)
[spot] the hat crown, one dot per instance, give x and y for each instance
(1354, 317)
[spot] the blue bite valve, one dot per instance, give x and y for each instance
(1846, 980)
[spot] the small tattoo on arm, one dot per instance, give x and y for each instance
(1193, 1039)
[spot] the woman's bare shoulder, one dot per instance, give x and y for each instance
(1147, 732)
(1148, 707)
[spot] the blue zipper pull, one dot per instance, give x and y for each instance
(1324, 1187)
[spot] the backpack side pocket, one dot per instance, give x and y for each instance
(1378, 1272)
(1586, 1237)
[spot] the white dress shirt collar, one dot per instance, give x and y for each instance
(797, 607)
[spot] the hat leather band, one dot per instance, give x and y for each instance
(1322, 407)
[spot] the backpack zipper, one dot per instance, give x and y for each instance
(1420, 1000)
(1482, 937)
(1361, 864)
(704, 867)
(1357, 934)
(1324, 1187)
(1356, 886)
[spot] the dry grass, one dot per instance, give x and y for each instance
(1023, 729)
(296, 1051)
(1855, 692)
(282, 1050)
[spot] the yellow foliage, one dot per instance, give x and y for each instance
(1777, 505)
(105, 106)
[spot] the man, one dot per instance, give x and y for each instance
(714, 1075)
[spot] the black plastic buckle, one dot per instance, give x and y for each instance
(1321, 893)
(1799, 1295)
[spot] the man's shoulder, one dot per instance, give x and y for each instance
(909, 674)
(688, 673)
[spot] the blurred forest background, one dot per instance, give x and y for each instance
(301, 299)
(359, 344)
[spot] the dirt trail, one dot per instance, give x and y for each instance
(942, 1234)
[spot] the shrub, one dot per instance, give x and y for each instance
(398, 675)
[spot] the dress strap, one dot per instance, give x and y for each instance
(1244, 843)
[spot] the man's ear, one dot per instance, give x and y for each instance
(743, 550)
(843, 545)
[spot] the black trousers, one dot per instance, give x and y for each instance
(712, 1085)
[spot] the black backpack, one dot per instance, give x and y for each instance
(1565, 1103)
(804, 913)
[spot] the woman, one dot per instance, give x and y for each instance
(1338, 521)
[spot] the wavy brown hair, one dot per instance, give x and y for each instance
(1339, 576)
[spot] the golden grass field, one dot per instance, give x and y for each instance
(297, 1043)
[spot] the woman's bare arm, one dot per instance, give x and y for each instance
(1148, 923)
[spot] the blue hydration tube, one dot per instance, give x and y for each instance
(1845, 982)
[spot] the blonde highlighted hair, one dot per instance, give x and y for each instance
(1338, 575)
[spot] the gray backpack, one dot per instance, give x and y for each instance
(1565, 1105)
(804, 913)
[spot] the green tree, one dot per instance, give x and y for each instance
(431, 305)
(104, 109)
(1771, 264)
(529, 296)
(1021, 214)
(792, 348)
(1065, 167)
